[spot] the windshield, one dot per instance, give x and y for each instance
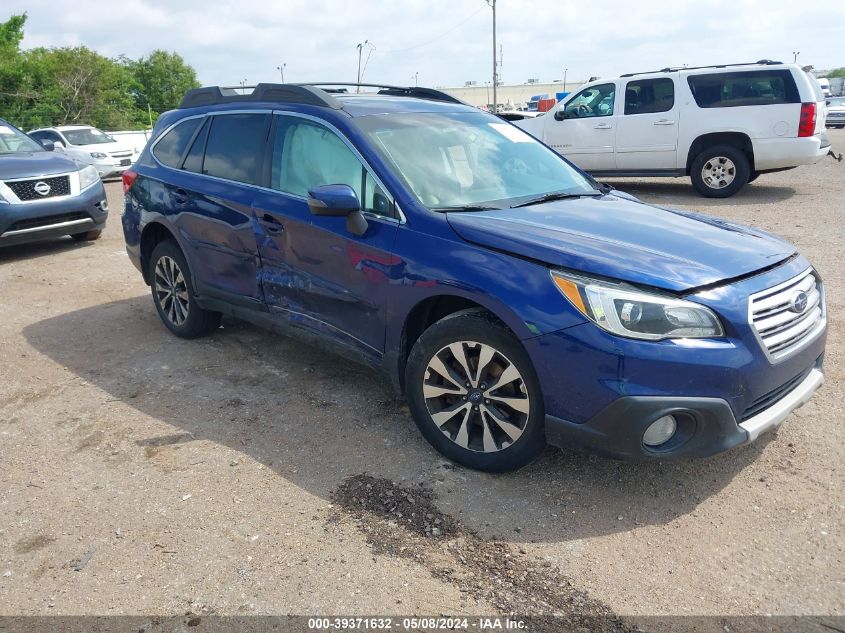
(469, 159)
(87, 136)
(14, 141)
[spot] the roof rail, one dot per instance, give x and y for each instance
(762, 62)
(283, 93)
(394, 91)
(316, 94)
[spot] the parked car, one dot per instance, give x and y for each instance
(90, 146)
(720, 125)
(513, 299)
(44, 194)
(824, 85)
(835, 112)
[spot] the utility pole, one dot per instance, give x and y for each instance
(150, 112)
(565, 70)
(360, 48)
(416, 79)
(492, 4)
(281, 69)
(795, 55)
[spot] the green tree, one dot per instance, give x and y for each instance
(836, 72)
(12, 75)
(78, 85)
(162, 80)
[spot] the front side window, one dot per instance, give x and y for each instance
(591, 102)
(758, 87)
(170, 147)
(87, 136)
(235, 147)
(466, 158)
(647, 96)
(307, 155)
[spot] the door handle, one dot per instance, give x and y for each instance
(603, 126)
(180, 196)
(664, 122)
(271, 224)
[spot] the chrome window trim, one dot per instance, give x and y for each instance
(812, 334)
(398, 220)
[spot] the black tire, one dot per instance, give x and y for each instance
(521, 436)
(88, 236)
(173, 294)
(739, 172)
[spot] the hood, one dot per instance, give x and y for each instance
(622, 238)
(34, 164)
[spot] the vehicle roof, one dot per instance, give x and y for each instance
(717, 68)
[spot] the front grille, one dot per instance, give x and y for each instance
(789, 314)
(40, 188)
(48, 220)
(765, 401)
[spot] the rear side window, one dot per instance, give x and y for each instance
(235, 147)
(193, 161)
(758, 87)
(172, 145)
(649, 96)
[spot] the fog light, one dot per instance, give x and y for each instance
(660, 431)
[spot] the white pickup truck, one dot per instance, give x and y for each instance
(720, 125)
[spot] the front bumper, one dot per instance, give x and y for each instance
(109, 167)
(54, 217)
(706, 426)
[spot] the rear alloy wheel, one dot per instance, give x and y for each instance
(476, 398)
(173, 295)
(720, 171)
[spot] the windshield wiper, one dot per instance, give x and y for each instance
(467, 207)
(555, 195)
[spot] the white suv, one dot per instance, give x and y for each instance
(90, 146)
(720, 125)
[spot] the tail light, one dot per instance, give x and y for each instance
(807, 120)
(129, 177)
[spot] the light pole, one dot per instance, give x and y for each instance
(243, 86)
(360, 48)
(416, 79)
(487, 85)
(492, 4)
(281, 69)
(564, 78)
(795, 55)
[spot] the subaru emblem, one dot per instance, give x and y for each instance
(799, 302)
(41, 188)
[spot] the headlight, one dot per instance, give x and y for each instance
(87, 177)
(626, 311)
(98, 155)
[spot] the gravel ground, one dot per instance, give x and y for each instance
(142, 474)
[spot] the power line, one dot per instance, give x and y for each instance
(439, 37)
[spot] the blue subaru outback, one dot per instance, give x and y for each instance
(513, 300)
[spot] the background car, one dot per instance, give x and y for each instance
(45, 194)
(835, 112)
(90, 146)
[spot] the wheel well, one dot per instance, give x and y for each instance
(426, 313)
(735, 139)
(153, 234)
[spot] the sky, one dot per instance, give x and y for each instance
(443, 43)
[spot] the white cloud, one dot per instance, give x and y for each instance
(228, 42)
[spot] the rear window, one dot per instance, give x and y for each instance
(235, 147)
(172, 145)
(757, 87)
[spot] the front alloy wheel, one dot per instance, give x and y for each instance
(476, 396)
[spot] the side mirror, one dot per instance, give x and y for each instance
(560, 115)
(47, 144)
(58, 146)
(338, 201)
